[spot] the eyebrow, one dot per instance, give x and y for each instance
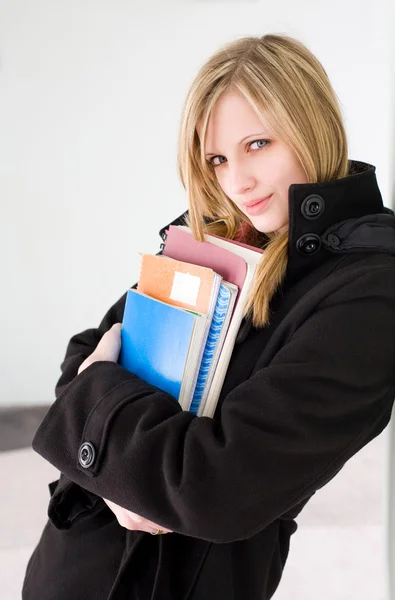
(241, 141)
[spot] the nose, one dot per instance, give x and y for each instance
(240, 180)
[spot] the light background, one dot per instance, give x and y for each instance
(90, 99)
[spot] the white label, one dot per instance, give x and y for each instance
(185, 288)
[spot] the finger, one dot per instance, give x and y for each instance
(136, 518)
(132, 521)
(110, 344)
(149, 525)
(162, 531)
(155, 526)
(108, 348)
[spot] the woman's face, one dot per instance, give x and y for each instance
(250, 163)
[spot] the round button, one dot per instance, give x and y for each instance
(308, 244)
(86, 455)
(313, 206)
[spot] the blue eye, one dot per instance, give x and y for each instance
(216, 165)
(257, 142)
(265, 142)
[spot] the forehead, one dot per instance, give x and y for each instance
(232, 119)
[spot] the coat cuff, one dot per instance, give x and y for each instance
(74, 433)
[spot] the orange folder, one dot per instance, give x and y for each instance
(178, 283)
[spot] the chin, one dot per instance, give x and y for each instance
(266, 225)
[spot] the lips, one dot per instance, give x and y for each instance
(256, 206)
(254, 202)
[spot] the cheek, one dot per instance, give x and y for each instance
(222, 184)
(298, 175)
(221, 179)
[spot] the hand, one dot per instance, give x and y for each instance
(133, 522)
(107, 349)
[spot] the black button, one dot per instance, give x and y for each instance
(333, 240)
(308, 243)
(86, 455)
(312, 207)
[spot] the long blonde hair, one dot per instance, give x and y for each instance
(281, 78)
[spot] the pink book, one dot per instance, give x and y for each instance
(181, 245)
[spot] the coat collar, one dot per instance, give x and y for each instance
(316, 208)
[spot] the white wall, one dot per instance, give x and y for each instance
(90, 98)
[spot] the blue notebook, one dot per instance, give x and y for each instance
(156, 340)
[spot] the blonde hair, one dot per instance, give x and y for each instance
(283, 80)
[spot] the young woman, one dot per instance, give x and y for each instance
(263, 158)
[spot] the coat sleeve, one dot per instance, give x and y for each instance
(68, 499)
(283, 433)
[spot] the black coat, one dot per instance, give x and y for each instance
(300, 398)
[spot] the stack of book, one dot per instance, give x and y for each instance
(180, 326)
